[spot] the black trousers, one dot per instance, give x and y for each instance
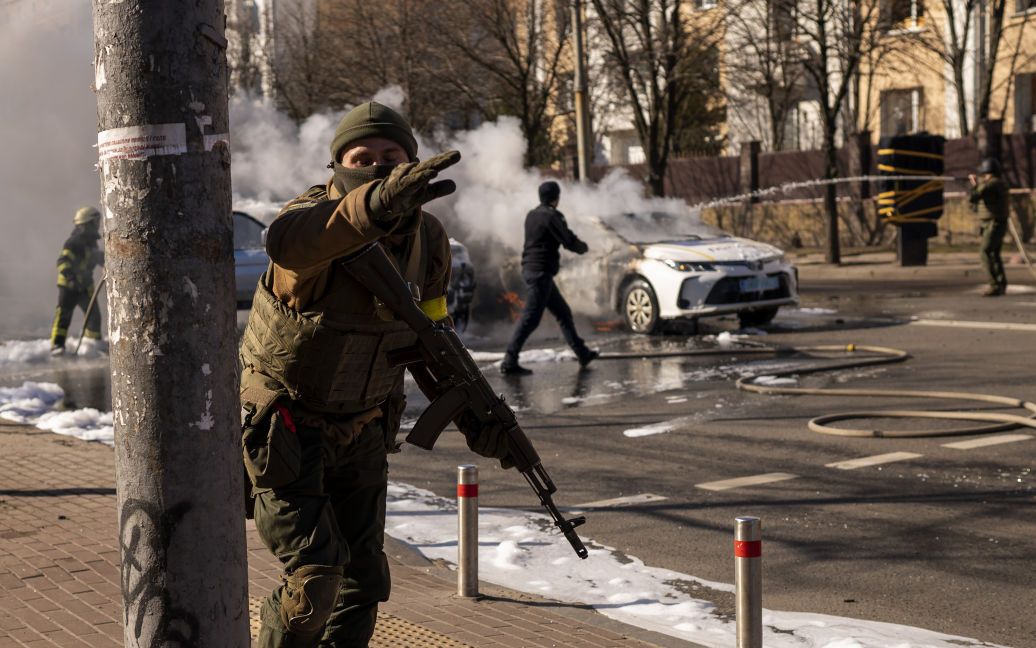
(67, 302)
(543, 295)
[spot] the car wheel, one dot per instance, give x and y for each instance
(759, 317)
(640, 307)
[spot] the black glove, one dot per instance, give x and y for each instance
(581, 247)
(485, 440)
(410, 185)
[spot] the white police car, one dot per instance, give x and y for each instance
(704, 275)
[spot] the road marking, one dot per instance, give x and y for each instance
(863, 462)
(999, 326)
(987, 441)
(621, 501)
(753, 480)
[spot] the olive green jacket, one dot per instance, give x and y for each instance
(992, 199)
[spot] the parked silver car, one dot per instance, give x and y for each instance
(250, 259)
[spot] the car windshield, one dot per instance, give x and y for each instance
(658, 227)
(248, 232)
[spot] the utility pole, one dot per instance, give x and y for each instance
(161, 83)
(582, 105)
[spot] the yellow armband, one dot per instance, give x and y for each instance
(435, 309)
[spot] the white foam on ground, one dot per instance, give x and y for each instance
(532, 356)
(521, 551)
(774, 381)
(648, 430)
(809, 311)
(33, 404)
(22, 352)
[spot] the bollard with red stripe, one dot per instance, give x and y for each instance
(748, 581)
(467, 531)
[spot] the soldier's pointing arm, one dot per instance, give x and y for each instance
(312, 230)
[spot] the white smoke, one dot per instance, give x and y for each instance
(495, 192)
(47, 167)
(275, 159)
(48, 129)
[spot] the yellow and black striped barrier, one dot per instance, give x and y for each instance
(902, 202)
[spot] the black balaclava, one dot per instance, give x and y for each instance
(347, 179)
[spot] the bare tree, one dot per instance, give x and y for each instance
(511, 58)
(763, 67)
(244, 52)
(646, 43)
(834, 37)
(294, 56)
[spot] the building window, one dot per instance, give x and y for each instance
(1025, 103)
(707, 4)
(785, 19)
(902, 111)
(904, 14)
(1021, 6)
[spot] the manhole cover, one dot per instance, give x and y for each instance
(391, 632)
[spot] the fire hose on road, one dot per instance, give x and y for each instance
(876, 356)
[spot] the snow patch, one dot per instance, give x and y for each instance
(648, 430)
(33, 404)
(532, 356)
(22, 352)
(774, 381)
(521, 551)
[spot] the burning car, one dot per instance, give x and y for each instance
(701, 276)
(661, 275)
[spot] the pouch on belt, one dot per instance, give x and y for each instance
(269, 441)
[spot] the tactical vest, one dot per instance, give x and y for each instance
(331, 358)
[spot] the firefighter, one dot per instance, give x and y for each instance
(79, 257)
(321, 406)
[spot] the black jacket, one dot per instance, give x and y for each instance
(545, 232)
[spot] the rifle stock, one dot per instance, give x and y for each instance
(446, 373)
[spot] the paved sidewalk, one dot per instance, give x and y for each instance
(60, 582)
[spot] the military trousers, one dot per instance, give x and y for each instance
(993, 232)
(68, 299)
(332, 516)
(543, 295)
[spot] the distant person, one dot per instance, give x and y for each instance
(76, 264)
(545, 232)
(990, 195)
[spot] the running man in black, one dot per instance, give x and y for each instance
(545, 232)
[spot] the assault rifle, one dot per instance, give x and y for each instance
(453, 383)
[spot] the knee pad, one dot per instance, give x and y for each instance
(309, 596)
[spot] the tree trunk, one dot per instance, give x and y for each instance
(834, 251)
(161, 83)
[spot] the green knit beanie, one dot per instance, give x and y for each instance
(372, 119)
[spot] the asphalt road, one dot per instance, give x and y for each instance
(942, 540)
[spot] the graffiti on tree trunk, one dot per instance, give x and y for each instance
(145, 533)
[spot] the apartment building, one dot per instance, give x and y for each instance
(925, 66)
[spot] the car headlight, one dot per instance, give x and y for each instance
(689, 266)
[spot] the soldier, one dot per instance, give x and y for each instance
(990, 195)
(76, 264)
(545, 232)
(320, 404)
